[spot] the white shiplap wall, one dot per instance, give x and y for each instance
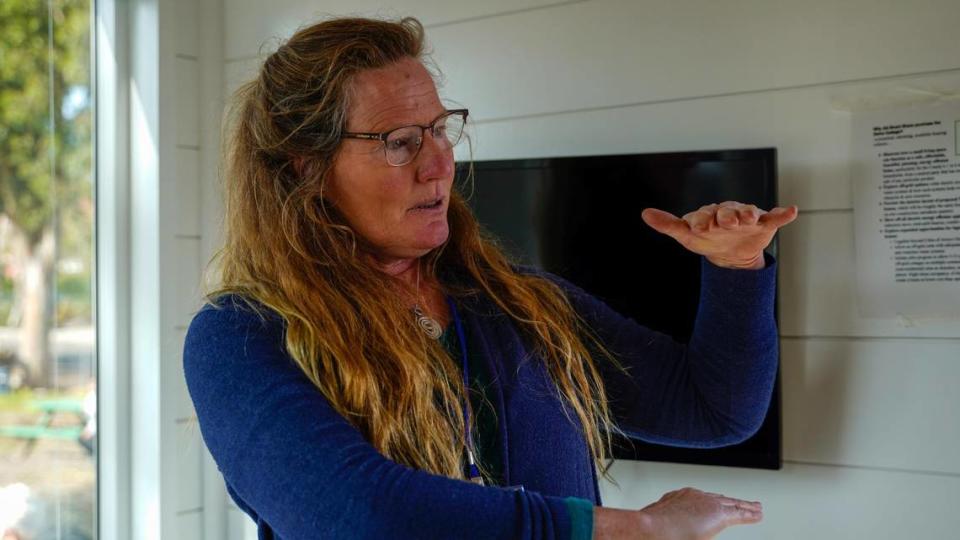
(870, 434)
(186, 272)
(196, 38)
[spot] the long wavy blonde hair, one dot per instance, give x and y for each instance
(286, 250)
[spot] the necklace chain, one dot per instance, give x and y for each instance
(434, 330)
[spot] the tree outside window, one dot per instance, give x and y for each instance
(47, 360)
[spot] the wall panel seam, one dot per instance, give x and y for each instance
(816, 337)
(452, 22)
(506, 13)
(772, 89)
(921, 472)
(826, 211)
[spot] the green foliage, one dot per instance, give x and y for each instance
(74, 299)
(45, 126)
(46, 133)
(6, 297)
(73, 286)
(17, 401)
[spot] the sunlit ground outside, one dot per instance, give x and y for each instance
(47, 338)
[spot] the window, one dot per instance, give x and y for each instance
(48, 442)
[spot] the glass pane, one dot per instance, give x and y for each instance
(47, 360)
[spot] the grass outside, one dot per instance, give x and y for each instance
(60, 474)
(19, 401)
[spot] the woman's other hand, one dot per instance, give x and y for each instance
(729, 234)
(684, 514)
(691, 514)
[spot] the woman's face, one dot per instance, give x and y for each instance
(378, 200)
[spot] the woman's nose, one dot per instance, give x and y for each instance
(435, 159)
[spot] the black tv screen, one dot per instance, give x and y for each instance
(579, 217)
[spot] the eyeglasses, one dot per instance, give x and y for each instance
(401, 145)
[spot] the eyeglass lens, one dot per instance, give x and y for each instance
(403, 144)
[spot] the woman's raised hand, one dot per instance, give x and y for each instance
(729, 234)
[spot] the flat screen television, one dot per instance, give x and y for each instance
(579, 217)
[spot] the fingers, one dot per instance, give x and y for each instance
(748, 505)
(738, 511)
(728, 215)
(730, 501)
(740, 514)
(748, 214)
(691, 513)
(665, 222)
(701, 220)
(737, 508)
(731, 214)
(779, 216)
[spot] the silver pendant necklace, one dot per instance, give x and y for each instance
(428, 324)
(434, 330)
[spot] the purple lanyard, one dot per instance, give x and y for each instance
(474, 472)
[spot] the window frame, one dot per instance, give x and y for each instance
(111, 136)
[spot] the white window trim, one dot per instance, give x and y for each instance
(112, 314)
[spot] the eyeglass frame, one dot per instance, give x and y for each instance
(382, 137)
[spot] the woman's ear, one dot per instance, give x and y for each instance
(304, 167)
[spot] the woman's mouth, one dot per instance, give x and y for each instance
(429, 205)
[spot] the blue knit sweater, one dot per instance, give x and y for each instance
(302, 472)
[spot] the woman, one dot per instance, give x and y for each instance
(358, 302)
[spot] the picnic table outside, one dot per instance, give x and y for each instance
(43, 428)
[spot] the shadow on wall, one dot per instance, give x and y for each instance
(818, 398)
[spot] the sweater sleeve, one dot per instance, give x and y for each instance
(712, 391)
(305, 472)
(581, 518)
